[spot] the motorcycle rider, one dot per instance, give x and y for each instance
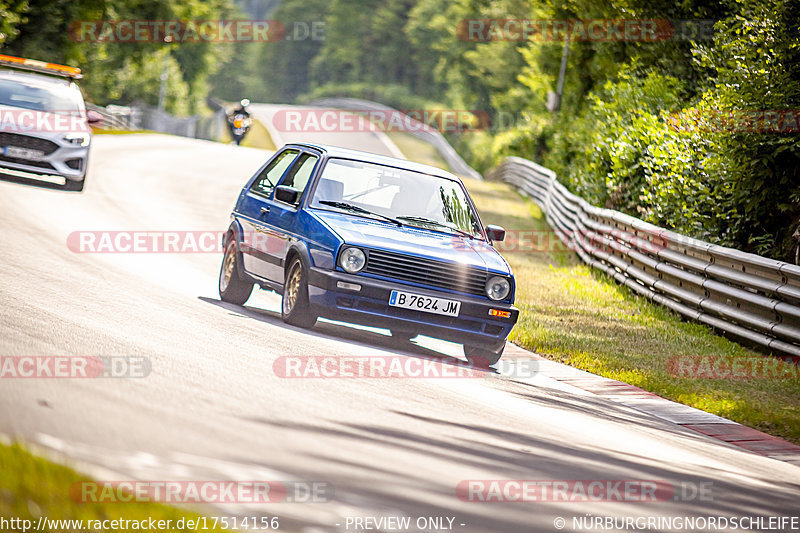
(242, 109)
(239, 121)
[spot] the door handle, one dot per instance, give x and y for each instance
(264, 211)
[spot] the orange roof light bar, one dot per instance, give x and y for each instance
(40, 66)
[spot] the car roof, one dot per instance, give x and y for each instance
(34, 78)
(369, 157)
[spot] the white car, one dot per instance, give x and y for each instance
(44, 126)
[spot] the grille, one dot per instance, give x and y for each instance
(40, 164)
(26, 141)
(429, 272)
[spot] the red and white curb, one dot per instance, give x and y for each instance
(634, 397)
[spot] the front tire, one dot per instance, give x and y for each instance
(231, 287)
(295, 309)
(73, 186)
(403, 336)
(483, 357)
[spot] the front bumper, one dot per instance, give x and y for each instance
(370, 306)
(67, 161)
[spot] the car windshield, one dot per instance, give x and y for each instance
(413, 198)
(54, 98)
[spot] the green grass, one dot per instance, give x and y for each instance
(583, 318)
(31, 487)
(257, 137)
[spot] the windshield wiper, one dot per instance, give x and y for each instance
(439, 224)
(357, 209)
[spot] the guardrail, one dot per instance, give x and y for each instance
(138, 117)
(745, 295)
(209, 127)
(117, 117)
(420, 131)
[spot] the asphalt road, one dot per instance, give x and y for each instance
(287, 124)
(213, 408)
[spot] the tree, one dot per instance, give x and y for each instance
(120, 72)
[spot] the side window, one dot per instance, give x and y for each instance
(300, 173)
(266, 181)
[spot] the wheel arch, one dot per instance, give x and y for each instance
(297, 249)
(235, 231)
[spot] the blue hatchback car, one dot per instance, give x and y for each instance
(373, 240)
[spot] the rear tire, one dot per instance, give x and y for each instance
(231, 287)
(483, 357)
(295, 309)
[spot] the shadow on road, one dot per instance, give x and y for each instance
(353, 335)
(522, 455)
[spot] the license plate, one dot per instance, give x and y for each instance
(439, 306)
(23, 153)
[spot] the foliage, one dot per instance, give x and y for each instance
(755, 65)
(659, 129)
(396, 96)
(276, 71)
(120, 72)
(640, 126)
(12, 14)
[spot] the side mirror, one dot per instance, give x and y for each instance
(495, 233)
(286, 194)
(94, 118)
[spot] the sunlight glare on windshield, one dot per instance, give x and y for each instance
(397, 192)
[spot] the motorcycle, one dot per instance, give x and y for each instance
(239, 124)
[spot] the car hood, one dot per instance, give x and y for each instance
(43, 124)
(372, 233)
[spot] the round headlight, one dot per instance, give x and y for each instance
(497, 288)
(352, 260)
